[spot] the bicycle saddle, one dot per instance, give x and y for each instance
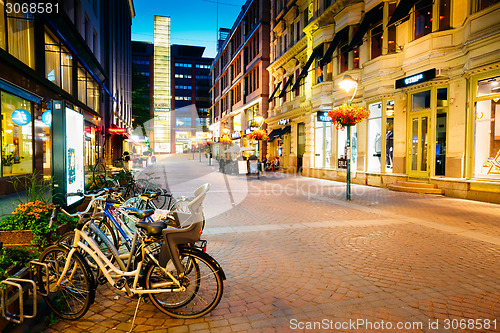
(152, 229)
(142, 214)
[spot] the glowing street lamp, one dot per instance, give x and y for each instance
(347, 84)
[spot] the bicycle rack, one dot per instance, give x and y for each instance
(22, 285)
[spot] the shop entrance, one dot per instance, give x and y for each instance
(418, 144)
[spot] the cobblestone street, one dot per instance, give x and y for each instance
(295, 252)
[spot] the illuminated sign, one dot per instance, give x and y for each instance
(75, 176)
(235, 135)
(283, 121)
(322, 116)
(47, 117)
(20, 117)
(415, 79)
(117, 130)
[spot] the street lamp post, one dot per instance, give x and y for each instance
(347, 84)
(260, 120)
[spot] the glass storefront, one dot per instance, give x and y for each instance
(43, 132)
(487, 129)
(322, 144)
(389, 136)
(374, 145)
(17, 135)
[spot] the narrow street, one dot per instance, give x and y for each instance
(296, 254)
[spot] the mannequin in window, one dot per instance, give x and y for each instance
(389, 141)
(378, 145)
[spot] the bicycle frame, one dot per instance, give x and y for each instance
(107, 266)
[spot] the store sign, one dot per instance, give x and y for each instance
(342, 163)
(47, 117)
(283, 121)
(416, 79)
(235, 135)
(322, 116)
(20, 117)
(117, 130)
(248, 130)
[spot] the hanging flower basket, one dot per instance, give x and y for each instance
(225, 139)
(258, 134)
(348, 115)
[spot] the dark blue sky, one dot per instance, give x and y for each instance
(193, 22)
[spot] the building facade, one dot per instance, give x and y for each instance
(162, 94)
(190, 96)
(240, 83)
(426, 70)
(59, 55)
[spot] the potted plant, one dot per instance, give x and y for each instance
(7, 161)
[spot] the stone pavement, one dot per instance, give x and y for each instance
(297, 255)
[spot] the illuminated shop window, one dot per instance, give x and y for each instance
(374, 147)
(322, 144)
(17, 140)
(487, 130)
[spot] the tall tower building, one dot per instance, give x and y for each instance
(162, 88)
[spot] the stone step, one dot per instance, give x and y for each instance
(415, 184)
(415, 189)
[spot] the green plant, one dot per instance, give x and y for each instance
(7, 158)
(35, 188)
(15, 256)
(34, 216)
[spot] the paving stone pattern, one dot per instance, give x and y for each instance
(304, 257)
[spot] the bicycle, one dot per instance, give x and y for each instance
(181, 281)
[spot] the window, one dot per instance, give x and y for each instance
(2, 26)
(389, 136)
(391, 31)
(344, 54)
(376, 41)
(482, 4)
(21, 36)
(58, 62)
(423, 18)
(444, 14)
(374, 144)
(86, 29)
(342, 144)
(95, 43)
(322, 144)
(441, 114)
(421, 100)
(88, 89)
(17, 139)
(487, 129)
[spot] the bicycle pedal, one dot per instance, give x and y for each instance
(101, 280)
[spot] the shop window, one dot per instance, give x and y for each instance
(421, 101)
(374, 145)
(17, 135)
(441, 115)
(389, 136)
(322, 144)
(487, 132)
(58, 62)
(21, 36)
(423, 18)
(488, 86)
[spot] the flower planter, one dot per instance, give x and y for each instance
(24, 237)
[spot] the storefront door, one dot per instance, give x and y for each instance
(418, 144)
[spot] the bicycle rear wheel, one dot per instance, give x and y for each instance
(99, 175)
(202, 281)
(73, 297)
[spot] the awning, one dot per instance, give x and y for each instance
(283, 91)
(303, 73)
(274, 92)
(402, 11)
(371, 17)
(274, 133)
(279, 132)
(333, 45)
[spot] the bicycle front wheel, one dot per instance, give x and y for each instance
(202, 282)
(72, 298)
